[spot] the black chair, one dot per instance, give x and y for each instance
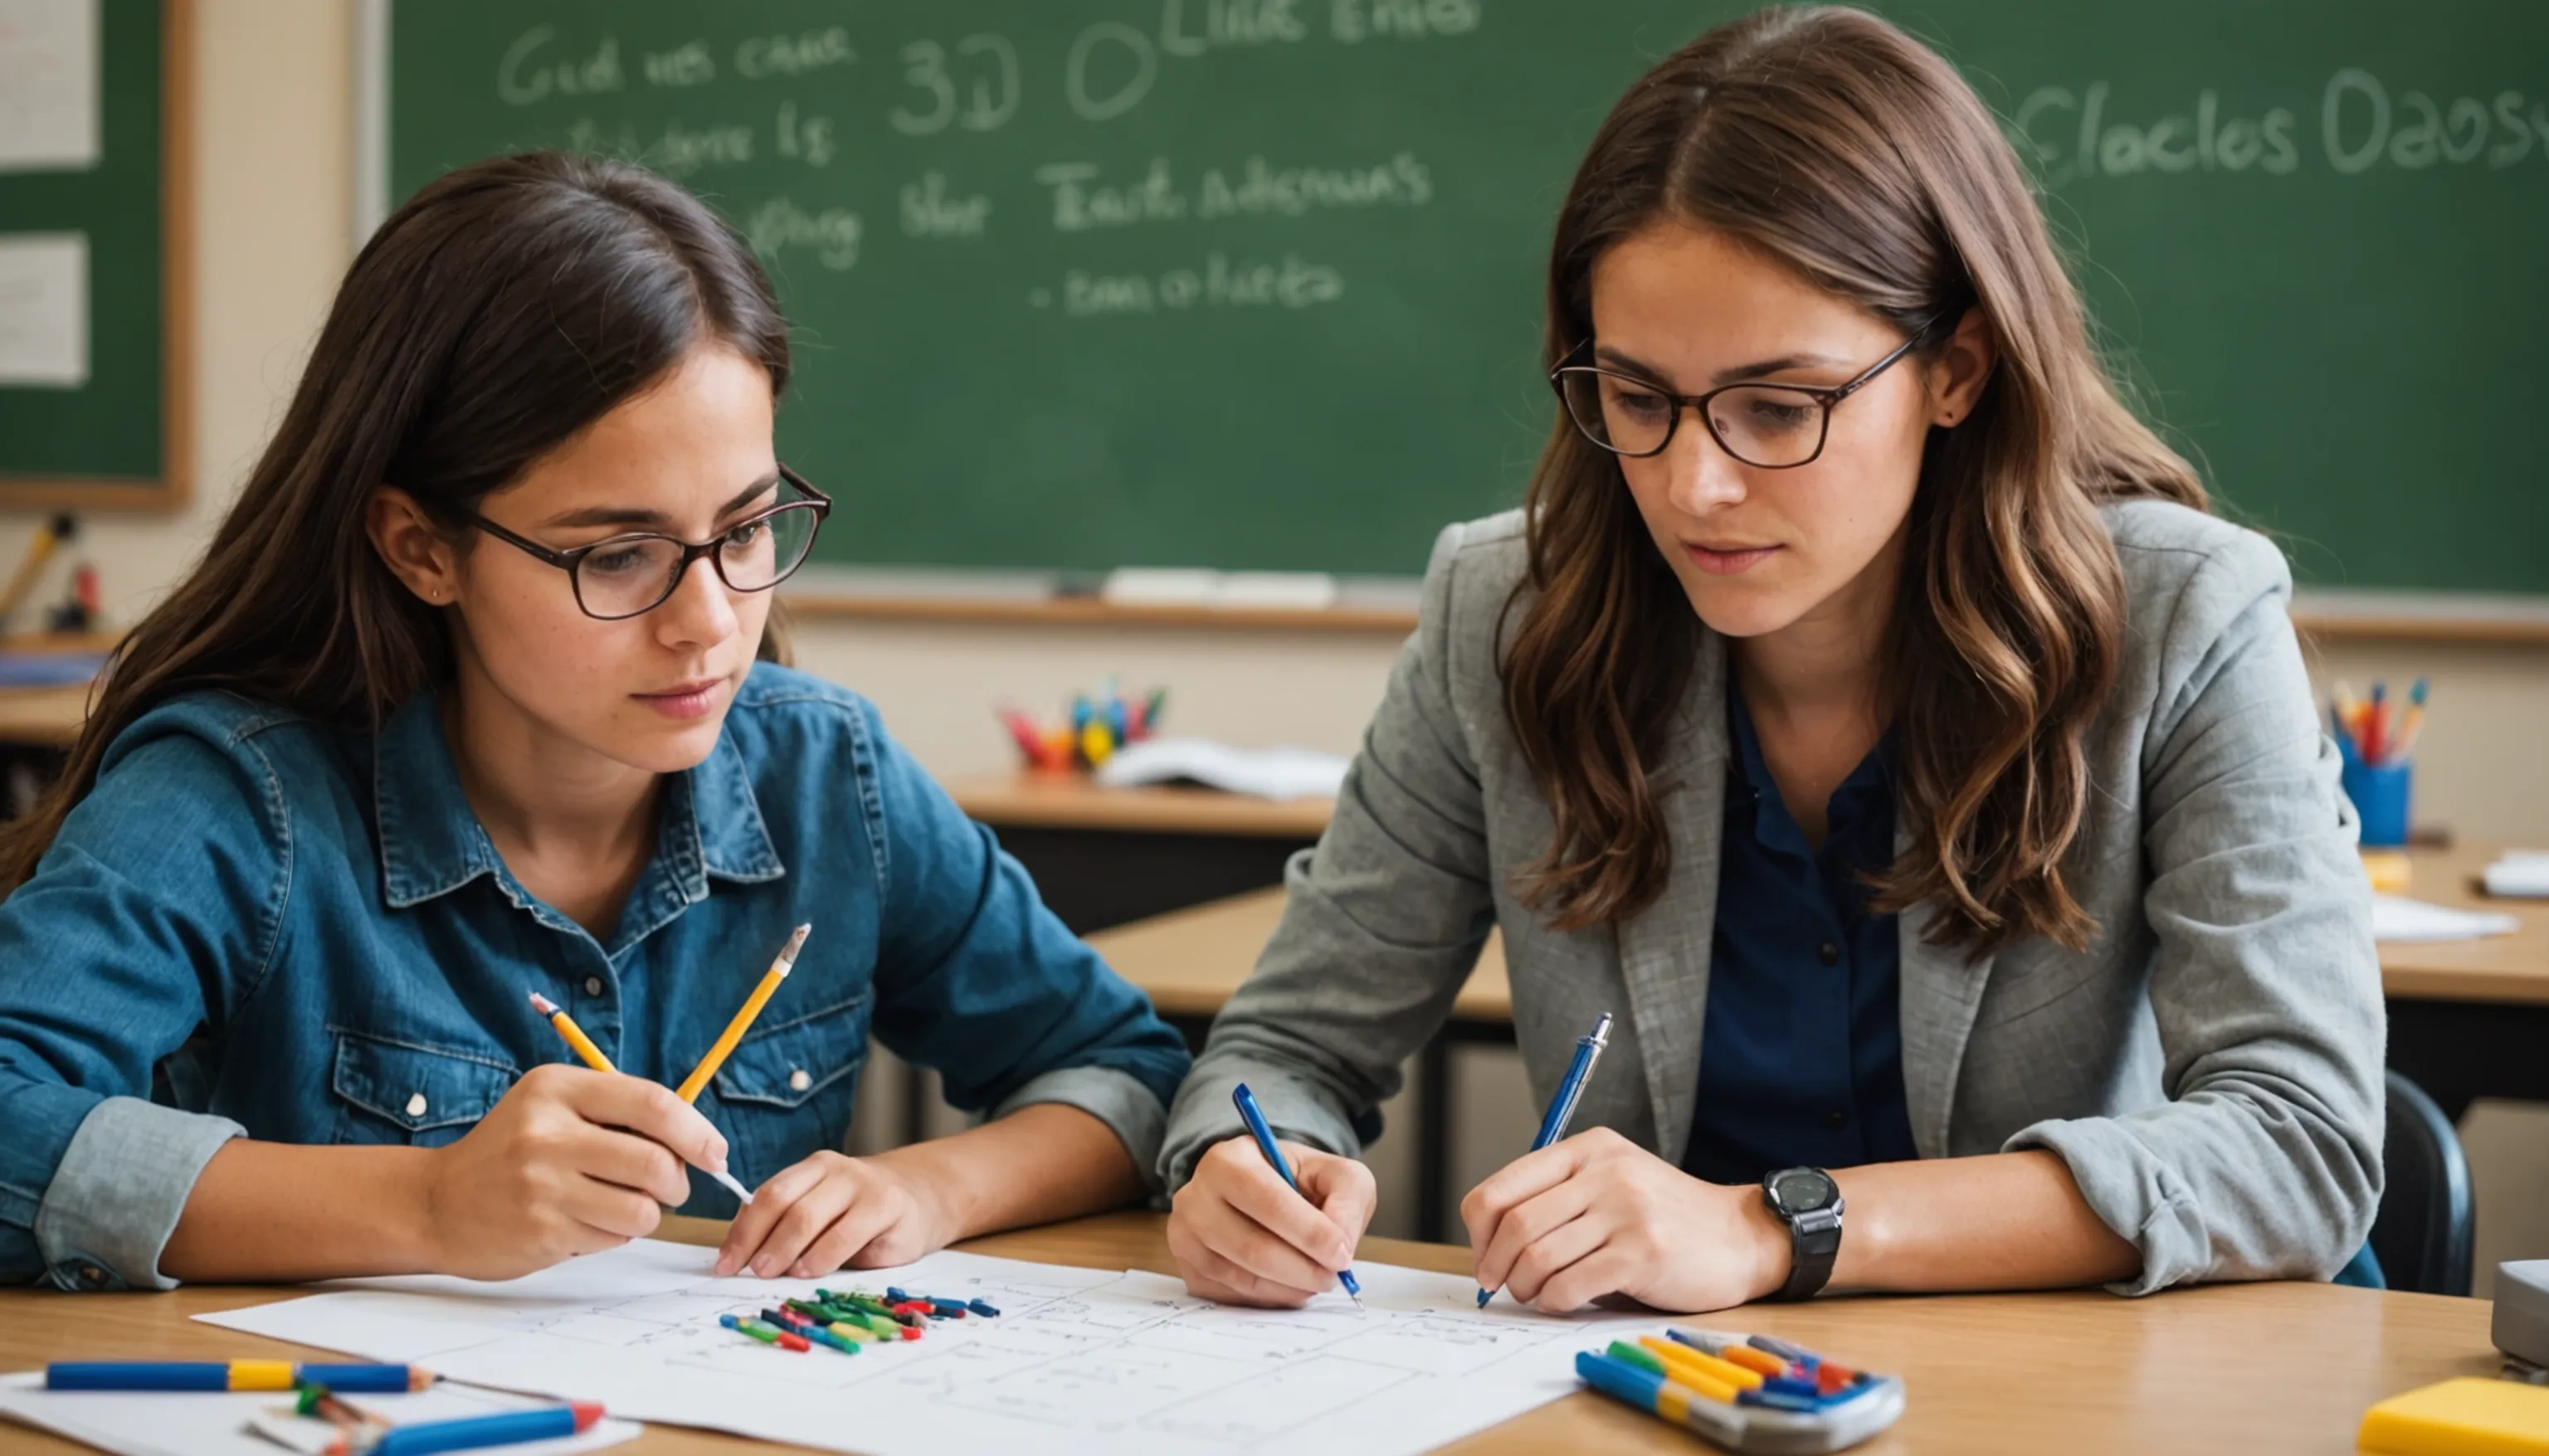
(2423, 1234)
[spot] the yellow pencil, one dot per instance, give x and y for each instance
(576, 1041)
(698, 1080)
(592, 1057)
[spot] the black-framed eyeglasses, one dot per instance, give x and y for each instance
(629, 576)
(1775, 426)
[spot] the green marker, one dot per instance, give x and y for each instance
(1645, 1359)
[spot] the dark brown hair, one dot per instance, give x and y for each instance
(1838, 146)
(503, 309)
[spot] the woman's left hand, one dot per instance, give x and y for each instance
(830, 1211)
(1596, 1215)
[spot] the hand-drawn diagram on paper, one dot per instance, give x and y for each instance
(1078, 1360)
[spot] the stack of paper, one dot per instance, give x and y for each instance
(1267, 772)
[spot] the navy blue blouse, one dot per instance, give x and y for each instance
(1801, 1051)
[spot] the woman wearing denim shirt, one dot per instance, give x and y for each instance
(463, 704)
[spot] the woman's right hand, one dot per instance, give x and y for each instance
(572, 1162)
(1242, 1237)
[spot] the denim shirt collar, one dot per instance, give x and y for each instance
(432, 843)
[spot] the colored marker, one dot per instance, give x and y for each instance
(1561, 1107)
(982, 1308)
(769, 1334)
(813, 1330)
(1647, 1390)
(1762, 1361)
(1691, 1367)
(230, 1375)
(1248, 1113)
(744, 1017)
(471, 1432)
(592, 1057)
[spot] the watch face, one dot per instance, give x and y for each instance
(1802, 1190)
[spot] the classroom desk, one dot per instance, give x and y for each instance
(1108, 857)
(1190, 960)
(2254, 1368)
(43, 717)
(2470, 1019)
(2467, 1019)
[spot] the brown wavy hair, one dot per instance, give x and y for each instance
(1834, 143)
(508, 306)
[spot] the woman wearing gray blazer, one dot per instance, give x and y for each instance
(1865, 711)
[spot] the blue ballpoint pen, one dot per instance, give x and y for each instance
(1250, 1113)
(1571, 1090)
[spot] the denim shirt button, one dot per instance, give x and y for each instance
(416, 1106)
(91, 1276)
(593, 985)
(800, 1079)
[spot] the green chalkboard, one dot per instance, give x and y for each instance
(1254, 282)
(112, 438)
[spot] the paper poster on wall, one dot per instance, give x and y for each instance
(43, 310)
(48, 67)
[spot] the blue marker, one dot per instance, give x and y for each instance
(1246, 1102)
(1571, 1090)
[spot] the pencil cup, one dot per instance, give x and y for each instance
(2380, 792)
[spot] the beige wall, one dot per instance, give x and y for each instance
(272, 146)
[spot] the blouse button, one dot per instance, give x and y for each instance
(1830, 952)
(799, 1080)
(416, 1106)
(593, 985)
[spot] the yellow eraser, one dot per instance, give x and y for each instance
(2460, 1418)
(2390, 870)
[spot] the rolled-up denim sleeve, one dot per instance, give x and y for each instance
(978, 980)
(152, 914)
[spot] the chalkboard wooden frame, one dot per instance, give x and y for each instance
(172, 487)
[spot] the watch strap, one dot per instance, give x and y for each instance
(1814, 1242)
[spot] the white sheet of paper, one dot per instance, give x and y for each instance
(1078, 1360)
(48, 85)
(173, 1424)
(2394, 917)
(44, 309)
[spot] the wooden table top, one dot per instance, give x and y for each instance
(1190, 960)
(1024, 799)
(48, 717)
(2502, 969)
(2247, 1368)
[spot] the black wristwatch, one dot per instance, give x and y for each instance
(1809, 1202)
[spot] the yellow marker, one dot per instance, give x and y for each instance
(698, 1080)
(576, 1041)
(1690, 1367)
(1096, 744)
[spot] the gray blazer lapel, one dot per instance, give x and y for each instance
(1663, 953)
(1941, 991)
